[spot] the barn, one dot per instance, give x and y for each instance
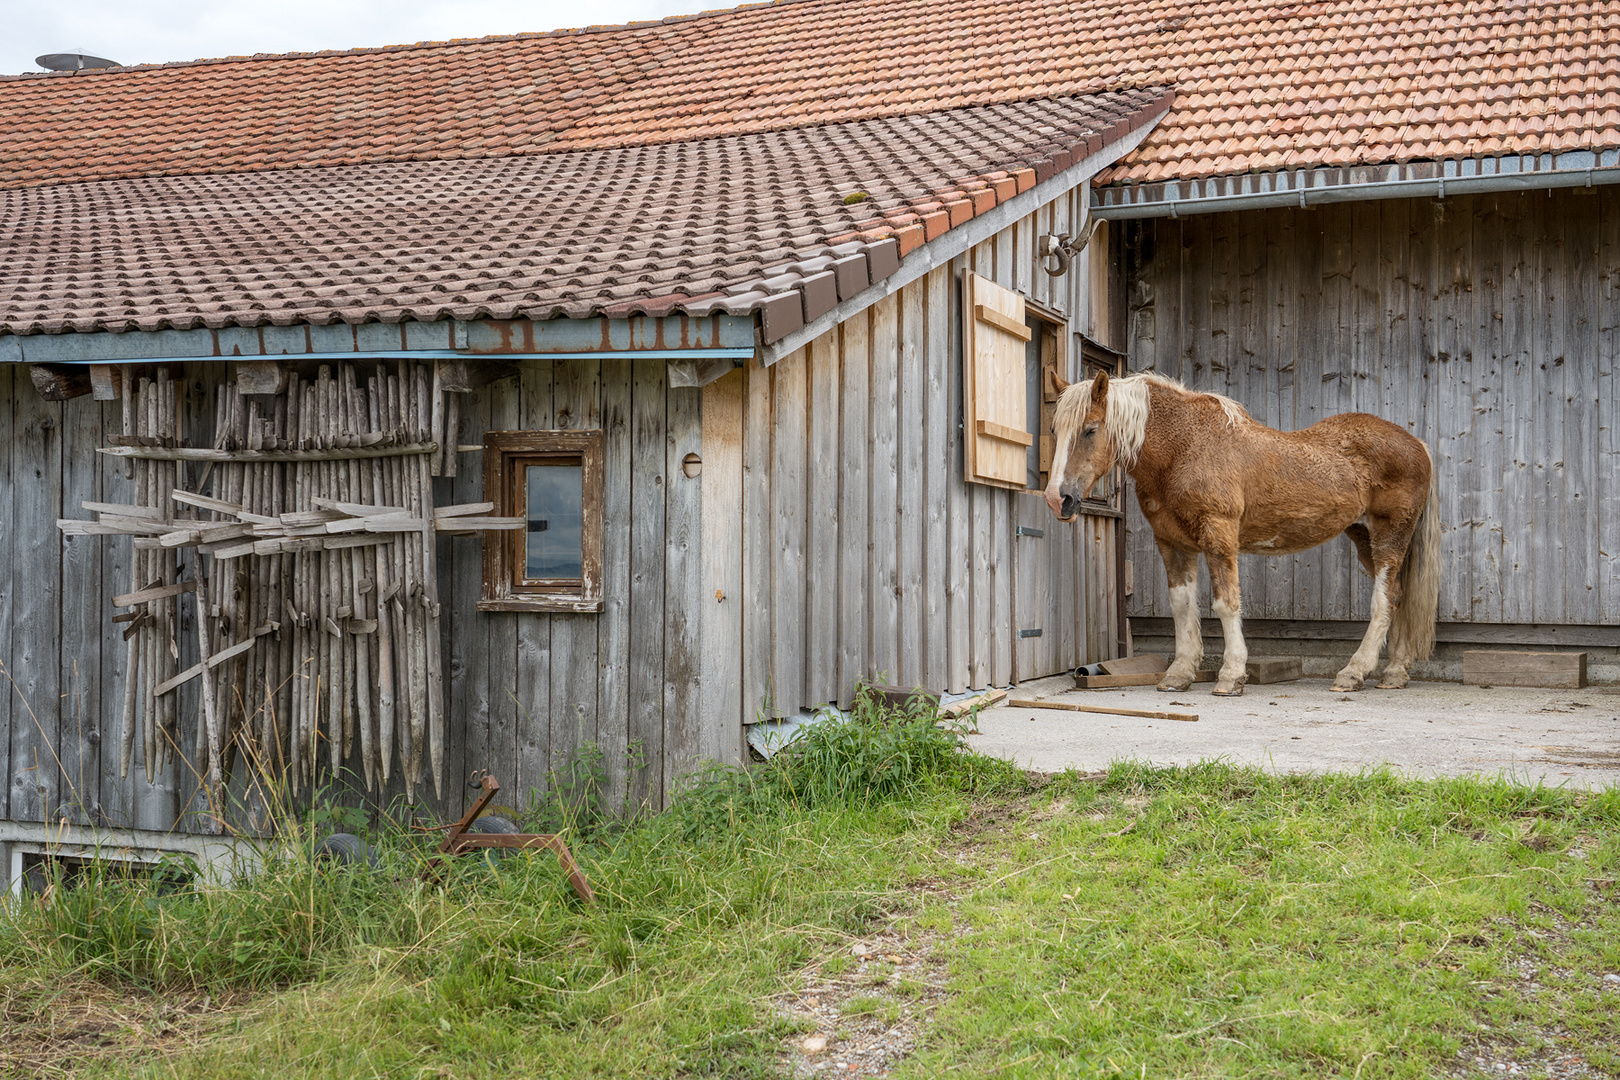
(372, 418)
(1409, 213)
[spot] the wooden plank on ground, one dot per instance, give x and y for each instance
(1147, 678)
(1502, 667)
(1141, 664)
(1106, 710)
(1263, 670)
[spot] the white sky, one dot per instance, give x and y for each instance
(156, 31)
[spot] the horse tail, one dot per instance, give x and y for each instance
(1420, 577)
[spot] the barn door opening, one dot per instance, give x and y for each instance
(1066, 585)
(1045, 594)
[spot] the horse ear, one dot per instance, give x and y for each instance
(1099, 387)
(1059, 383)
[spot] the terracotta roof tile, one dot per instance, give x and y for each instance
(731, 223)
(1363, 68)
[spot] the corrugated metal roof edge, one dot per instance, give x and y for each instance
(1313, 187)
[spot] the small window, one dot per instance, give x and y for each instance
(553, 481)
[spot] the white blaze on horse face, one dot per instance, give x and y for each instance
(1054, 483)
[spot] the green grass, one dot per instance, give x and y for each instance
(1207, 921)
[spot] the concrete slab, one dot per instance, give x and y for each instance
(1554, 737)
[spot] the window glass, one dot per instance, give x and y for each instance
(556, 519)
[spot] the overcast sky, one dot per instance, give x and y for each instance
(156, 31)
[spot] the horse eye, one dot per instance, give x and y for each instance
(1091, 429)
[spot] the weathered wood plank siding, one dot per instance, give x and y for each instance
(1485, 325)
(826, 537)
(865, 553)
(525, 692)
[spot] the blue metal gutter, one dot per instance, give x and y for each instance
(675, 337)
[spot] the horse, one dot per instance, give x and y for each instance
(1213, 481)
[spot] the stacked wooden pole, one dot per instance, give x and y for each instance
(319, 600)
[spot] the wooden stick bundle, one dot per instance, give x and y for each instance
(317, 605)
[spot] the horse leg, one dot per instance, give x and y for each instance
(1182, 570)
(1386, 594)
(1223, 576)
(1400, 649)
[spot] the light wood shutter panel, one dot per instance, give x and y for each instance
(993, 359)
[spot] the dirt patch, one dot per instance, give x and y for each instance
(868, 1003)
(55, 1030)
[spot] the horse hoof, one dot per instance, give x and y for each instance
(1174, 686)
(1344, 686)
(1228, 691)
(1393, 684)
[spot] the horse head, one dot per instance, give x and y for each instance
(1085, 450)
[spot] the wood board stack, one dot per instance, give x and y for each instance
(320, 589)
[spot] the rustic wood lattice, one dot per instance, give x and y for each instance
(319, 595)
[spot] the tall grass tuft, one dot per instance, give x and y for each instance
(299, 918)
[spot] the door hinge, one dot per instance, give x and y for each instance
(1025, 530)
(1030, 633)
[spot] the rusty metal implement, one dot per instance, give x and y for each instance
(458, 841)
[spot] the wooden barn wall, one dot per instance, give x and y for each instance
(864, 554)
(1486, 325)
(63, 657)
(524, 692)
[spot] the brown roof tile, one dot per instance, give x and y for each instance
(723, 224)
(1363, 68)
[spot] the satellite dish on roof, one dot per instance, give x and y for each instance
(73, 61)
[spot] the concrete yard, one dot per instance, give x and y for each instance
(1555, 737)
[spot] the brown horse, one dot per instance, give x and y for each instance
(1211, 480)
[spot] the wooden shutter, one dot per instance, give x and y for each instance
(993, 370)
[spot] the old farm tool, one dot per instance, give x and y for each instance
(458, 841)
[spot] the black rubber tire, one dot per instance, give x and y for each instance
(346, 849)
(489, 823)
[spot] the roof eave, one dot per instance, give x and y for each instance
(1314, 187)
(638, 336)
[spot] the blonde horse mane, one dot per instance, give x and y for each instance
(1127, 414)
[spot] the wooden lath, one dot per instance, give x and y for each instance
(318, 597)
